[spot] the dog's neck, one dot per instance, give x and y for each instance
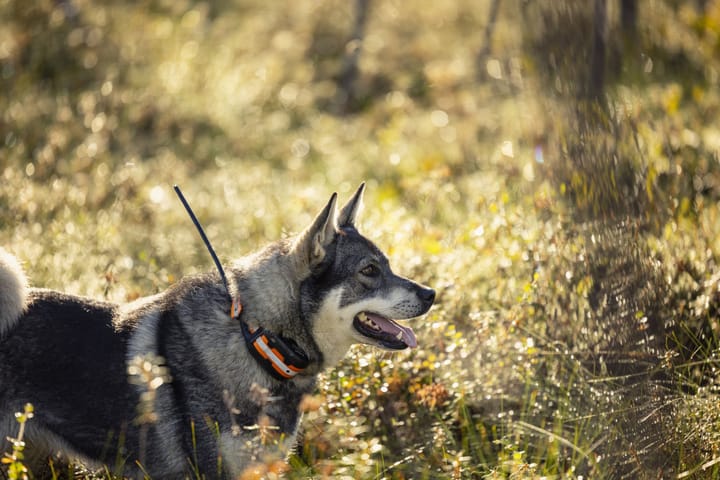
(284, 358)
(281, 357)
(264, 319)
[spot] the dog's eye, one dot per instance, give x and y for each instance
(370, 271)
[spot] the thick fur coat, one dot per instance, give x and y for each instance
(167, 384)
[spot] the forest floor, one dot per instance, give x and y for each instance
(575, 248)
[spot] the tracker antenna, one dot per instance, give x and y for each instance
(203, 236)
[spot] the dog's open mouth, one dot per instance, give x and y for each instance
(388, 333)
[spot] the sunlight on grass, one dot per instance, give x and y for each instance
(575, 251)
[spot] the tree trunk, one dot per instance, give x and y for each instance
(489, 29)
(347, 78)
(596, 85)
(628, 19)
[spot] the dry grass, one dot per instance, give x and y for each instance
(572, 337)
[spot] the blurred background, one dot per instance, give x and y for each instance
(550, 167)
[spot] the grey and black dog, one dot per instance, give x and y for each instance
(233, 358)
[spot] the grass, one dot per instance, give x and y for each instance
(575, 251)
(14, 460)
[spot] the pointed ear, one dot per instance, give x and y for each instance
(349, 212)
(311, 244)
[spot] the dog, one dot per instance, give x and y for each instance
(189, 381)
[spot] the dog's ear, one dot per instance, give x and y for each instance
(350, 211)
(311, 244)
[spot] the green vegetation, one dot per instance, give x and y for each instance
(14, 459)
(574, 242)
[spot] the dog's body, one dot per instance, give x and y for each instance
(321, 291)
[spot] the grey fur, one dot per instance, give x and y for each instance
(69, 356)
(13, 292)
(352, 209)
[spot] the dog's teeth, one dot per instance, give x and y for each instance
(362, 316)
(400, 335)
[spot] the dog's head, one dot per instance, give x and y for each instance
(351, 294)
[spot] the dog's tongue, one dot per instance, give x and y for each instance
(398, 331)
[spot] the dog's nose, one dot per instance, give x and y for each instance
(427, 295)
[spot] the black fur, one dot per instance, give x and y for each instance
(79, 329)
(69, 355)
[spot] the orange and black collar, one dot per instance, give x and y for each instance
(281, 357)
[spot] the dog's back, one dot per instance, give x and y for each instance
(44, 361)
(46, 338)
(69, 357)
